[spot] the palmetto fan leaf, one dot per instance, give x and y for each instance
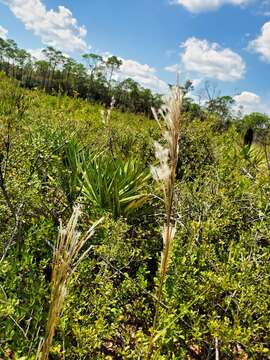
(115, 185)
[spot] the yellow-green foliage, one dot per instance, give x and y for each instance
(217, 289)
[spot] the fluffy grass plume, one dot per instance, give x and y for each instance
(165, 174)
(66, 258)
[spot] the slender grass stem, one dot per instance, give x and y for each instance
(65, 260)
(165, 174)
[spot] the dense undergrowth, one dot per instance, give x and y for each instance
(56, 152)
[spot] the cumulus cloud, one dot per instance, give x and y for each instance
(196, 82)
(172, 68)
(143, 74)
(3, 32)
(211, 61)
(261, 45)
(56, 28)
(37, 54)
(248, 102)
(197, 6)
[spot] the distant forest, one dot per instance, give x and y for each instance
(92, 80)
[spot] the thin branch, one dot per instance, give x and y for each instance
(19, 327)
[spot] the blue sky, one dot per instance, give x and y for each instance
(226, 42)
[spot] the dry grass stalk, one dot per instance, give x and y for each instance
(65, 261)
(216, 349)
(165, 174)
(106, 117)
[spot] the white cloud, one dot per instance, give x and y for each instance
(197, 6)
(37, 54)
(196, 82)
(248, 102)
(56, 28)
(172, 68)
(3, 32)
(143, 74)
(261, 45)
(211, 61)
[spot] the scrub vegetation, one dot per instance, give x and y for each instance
(176, 262)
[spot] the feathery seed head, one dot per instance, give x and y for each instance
(168, 234)
(162, 154)
(171, 116)
(161, 173)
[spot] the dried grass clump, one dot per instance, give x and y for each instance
(165, 174)
(106, 118)
(66, 258)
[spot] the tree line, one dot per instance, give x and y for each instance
(92, 79)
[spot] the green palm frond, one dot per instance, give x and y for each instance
(115, 185)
